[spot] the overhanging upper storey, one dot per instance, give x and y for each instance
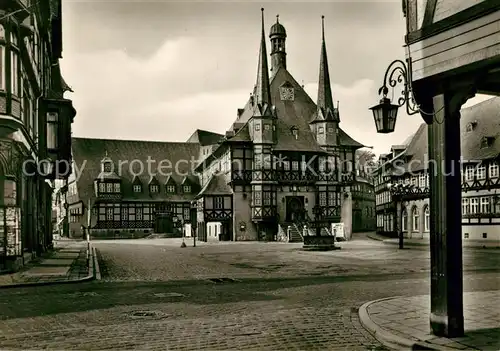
(449, 37)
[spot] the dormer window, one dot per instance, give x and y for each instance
(321, 130)
(257, 126)
(171, 189)
(137, 188)
(106, 167)
(117, 187)
(471, 126)
(186, 188)
(154, 188)
(295, 132)
(487, 142)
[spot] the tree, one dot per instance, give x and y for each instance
(366, 161)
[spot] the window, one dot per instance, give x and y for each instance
(218, 202)
(52, 121)
(137, 188)
(102, 187)
(267, 198)
(322, 199)
(2, 65)
(295, 165)
(493, 170)
(186, 188)
(106, 167)
(109, 214)
(404, 224)
(153, 188)
(469, 173)
(321, 130)
(466, 235)
(465, 206)
(124, 214)
(170, 188)
(485, 235)
(481, 172)
(257, 126)
(485, 205)
(267, 126)
(427, 219)
(330, 130)
(109, 187)
(474, 205)
(421, 180)
(14, 73)
(117, 187)
(257, 198)
(138, 214)
(416, 219)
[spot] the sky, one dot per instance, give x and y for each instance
(159, 70)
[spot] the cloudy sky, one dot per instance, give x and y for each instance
(158, 70)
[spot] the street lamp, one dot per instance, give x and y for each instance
(385, 113)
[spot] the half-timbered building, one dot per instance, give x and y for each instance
(402, 180)
(284, 163)
(35, 123)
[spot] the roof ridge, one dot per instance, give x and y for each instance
(133, 140)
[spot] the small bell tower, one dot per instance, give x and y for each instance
(278, 52)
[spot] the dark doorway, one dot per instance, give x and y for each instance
(226, 231)
(164, 223)
(295, 208)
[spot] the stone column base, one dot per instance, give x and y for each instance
(319, 243)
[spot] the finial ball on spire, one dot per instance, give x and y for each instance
(262, 9)
(323, 16)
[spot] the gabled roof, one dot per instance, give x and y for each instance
(204, 137)
(291, 113)
(217, 185)
(487, 116)
(128, 155)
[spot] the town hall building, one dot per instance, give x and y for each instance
(285, 164)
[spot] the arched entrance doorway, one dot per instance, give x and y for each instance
(295, 211)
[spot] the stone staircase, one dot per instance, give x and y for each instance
(295, 233)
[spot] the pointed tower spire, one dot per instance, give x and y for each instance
(325, 100)
(262, 90)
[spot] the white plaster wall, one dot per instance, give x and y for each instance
(242, 213)
(346, 214)
(476, 232)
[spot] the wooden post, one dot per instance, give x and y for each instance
(446, 318)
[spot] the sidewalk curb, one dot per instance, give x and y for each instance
(389, 339)
(93, 270)
(388, 241)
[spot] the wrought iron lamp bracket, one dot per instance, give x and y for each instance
(398, 74)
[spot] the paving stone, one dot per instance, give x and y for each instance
(57, 262)
(48, 270)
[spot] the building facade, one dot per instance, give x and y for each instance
(285, 161)
(31, 88)
(402, 180)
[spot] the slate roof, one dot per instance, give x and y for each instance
(296, 113)
(485, 114)
(217, 185)
(89, 152)
(205, 137)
